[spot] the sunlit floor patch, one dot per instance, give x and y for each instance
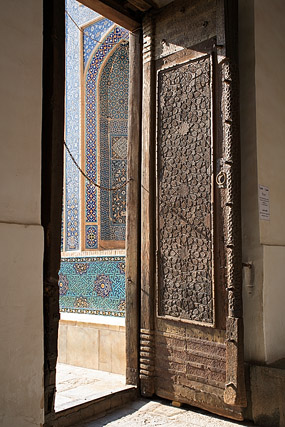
(160, 413)
(77, 385)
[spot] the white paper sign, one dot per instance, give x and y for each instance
(263, 202)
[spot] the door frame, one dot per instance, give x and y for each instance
(133, 241)
(52, 195)
(140, 272)
(52, 184)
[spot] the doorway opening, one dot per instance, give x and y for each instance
(91, 359)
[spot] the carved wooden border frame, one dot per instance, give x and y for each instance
(235, 384)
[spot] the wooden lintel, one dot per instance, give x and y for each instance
(142, 5)
(115, 12)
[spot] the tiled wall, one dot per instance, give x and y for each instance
(113, 99)
(96, 134)
(106, 117)
(71, 218)
(93, 285)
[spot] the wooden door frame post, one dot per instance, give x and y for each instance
(133, 210)
(147, 211)
(52, 184)
(235, 391)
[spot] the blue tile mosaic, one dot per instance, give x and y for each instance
(103, 30)
(91, 105)
(81, 15)
(91, 236)
(113, 145)
(93, 285)
(92, 35)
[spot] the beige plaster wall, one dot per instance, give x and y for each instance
(262, 90)
(20, 110)
(21, 325)
(21, 244)
(274, 300)
(270, 130)
(270, 113)
(251, 247)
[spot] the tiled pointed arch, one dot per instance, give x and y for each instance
(113, 136)
(92, 131)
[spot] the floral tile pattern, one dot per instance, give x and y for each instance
(93, 285)
(80, 15)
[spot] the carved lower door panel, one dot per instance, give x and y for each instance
(190, 367)
(187, 356)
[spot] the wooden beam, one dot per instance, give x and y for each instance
(142, 5)
(114, 11)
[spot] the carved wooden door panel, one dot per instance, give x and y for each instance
(191, 322)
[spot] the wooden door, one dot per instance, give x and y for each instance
(191, 344)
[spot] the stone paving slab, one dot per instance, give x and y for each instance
(156, 413)
(76, 385)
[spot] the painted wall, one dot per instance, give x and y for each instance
(21, 244)
(262, 70)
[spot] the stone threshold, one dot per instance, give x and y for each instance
(100, 407)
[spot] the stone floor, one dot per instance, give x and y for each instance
(77, 385)
(155, 413)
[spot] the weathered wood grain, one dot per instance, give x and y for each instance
(114, 11)
(148, 200)
(133, 211)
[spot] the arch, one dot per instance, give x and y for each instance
(92, 136)
(113, 136)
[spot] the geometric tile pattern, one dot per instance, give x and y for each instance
(93, 57)
(94, 32)
(81, 15)
(93, 285)
(119, 145)
(91, 110)
(113, 145)
(91, 237)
